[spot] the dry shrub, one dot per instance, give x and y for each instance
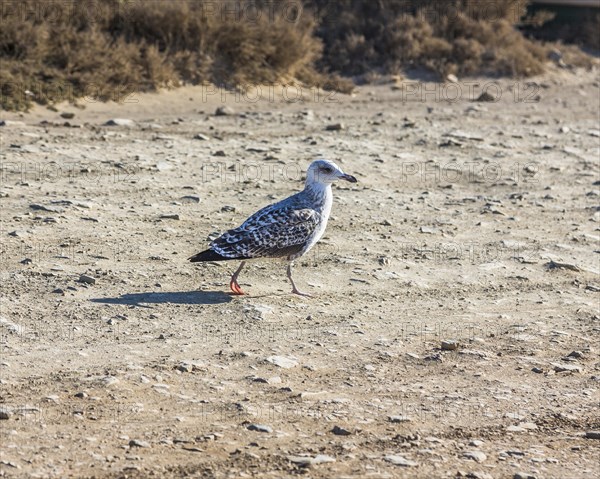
(53, 50)
(263, 52)
(446, 36)
(590, 32)
(578, 26)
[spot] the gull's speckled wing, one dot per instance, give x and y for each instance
(276, 231)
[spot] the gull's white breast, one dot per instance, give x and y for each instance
(324, 212)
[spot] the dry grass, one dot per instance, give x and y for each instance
(52, 50)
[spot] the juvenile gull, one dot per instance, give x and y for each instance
(287, 229)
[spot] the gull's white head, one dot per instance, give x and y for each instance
(325, 172)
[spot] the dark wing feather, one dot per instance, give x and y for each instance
(271, 232)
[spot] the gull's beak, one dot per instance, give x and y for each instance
(349, 178)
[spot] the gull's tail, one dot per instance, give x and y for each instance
(208, 255)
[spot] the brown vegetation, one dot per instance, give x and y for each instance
(452, 36)
(53, 50)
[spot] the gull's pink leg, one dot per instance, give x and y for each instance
(233, 284)
(294, 289)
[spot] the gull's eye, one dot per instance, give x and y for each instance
(326, 169)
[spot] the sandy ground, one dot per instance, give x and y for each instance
(475, 224)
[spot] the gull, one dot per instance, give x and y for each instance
(287, 229)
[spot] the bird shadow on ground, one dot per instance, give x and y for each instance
(176, 297)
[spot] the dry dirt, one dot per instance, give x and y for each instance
(471, 222)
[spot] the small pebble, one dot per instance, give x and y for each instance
(478, 456)
(397, 419)
(138, 443)
(523, 475)
(192, 198)
(340, 431)
(562, 368)
(260, 428)
(486, 97)
(310, 461)
(119, 122)
(282, 362)
(449, 345)
(84, 278)
(185, 367)
(224, 111)
(400, 461)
